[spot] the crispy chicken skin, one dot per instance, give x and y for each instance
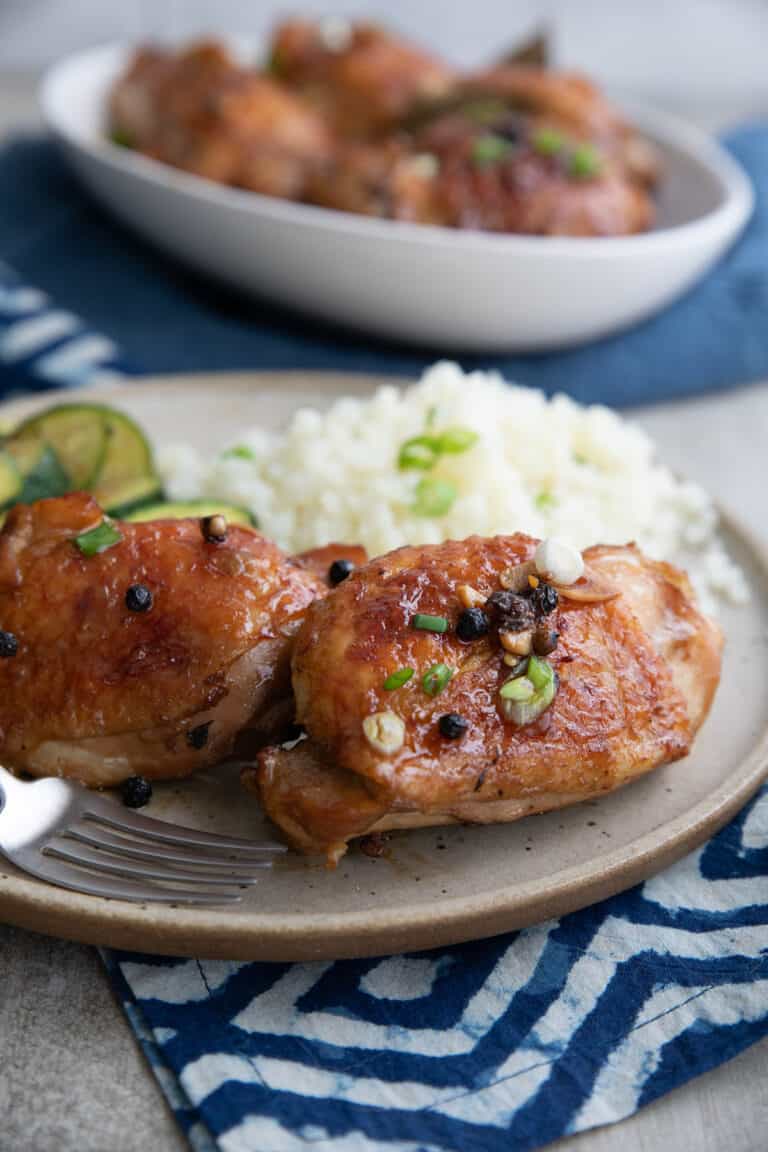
(354, 118)
(99, 692)
(362, 79)
(637, 674)
(200, 111)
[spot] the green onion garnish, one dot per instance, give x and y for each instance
(104, 536)
(397, 679)
(456, 440)
(120, 138)
(584, 163)
(436, 678)
(525, 698)
(540, 672)
(489, 149)
(418, 452)
(239, 452)
(434, 497)
(519, 689)
(545, 500)
(426, 623)
(547, 142)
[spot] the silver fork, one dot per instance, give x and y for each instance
(63, 833)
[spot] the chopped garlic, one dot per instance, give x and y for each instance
(384, 731)
(558, 561)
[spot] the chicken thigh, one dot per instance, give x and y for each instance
(145, 650)
(451, 683)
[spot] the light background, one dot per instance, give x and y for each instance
(683, 52)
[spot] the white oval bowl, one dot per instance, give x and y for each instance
(453, 289)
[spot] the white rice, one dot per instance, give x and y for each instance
(546, 467)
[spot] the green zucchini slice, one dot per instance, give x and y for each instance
(191, 509)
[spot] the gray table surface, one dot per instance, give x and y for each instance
(73, 1078)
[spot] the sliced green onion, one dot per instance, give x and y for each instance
(525, 698)
(121, 138)
(436, 678)
(490, 149)
(426, 623)
(520, 688)
(239, 452)
(434, 497)
(547, 142)
(540, 673)
(545, 500)
(418, 452)
(584, 163)
(397, 679)
(456, 440)
(104, 536)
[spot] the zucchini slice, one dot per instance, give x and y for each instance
(10, 479)
(78, 435)
(127, 474)
(191, 509)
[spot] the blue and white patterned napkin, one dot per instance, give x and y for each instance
(498, 1046)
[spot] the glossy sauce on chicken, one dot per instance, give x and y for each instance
(102, 687)
(635, 675)
(354, 118)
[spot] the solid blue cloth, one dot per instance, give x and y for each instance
(163, 319)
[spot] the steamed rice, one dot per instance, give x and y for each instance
(546, 467)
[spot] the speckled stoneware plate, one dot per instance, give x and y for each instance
(435, 886)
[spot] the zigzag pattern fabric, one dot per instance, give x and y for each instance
(504, 1044)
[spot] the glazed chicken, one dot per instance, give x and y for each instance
(361, 78)
(147, 657)
(451, 683)
(515, 149)
(353, 118)
(201, 111)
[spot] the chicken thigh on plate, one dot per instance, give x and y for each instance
(484, 680)
(138, 648)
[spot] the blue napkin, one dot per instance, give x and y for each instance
(165, 320)
(497, 1046)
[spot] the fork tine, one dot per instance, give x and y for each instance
(65, 876)
(98, 860)
(98, 836)
(146, 826)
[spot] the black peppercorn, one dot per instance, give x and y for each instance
(544, 599)
(472, 624)
(9, 645)
(136, 791)
(339, 571)
(510, 612)
(138, 598)
(452, 726)
(198, 737)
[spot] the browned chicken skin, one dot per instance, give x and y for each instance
(637, 673)
(100, 692)
(353, 118)
(200, 111)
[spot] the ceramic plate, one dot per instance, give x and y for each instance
(438, 286)
(435, 886)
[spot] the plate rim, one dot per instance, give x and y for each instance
(732, 213)
(32, 904)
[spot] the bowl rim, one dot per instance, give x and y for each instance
(728, 217)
